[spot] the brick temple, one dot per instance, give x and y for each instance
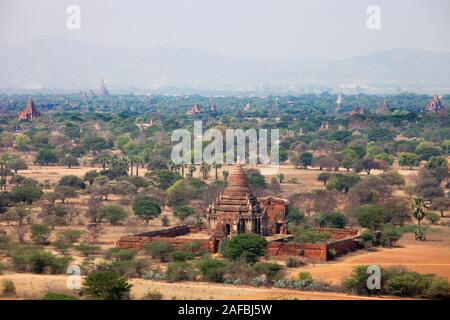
(30, 112)
(236, 211)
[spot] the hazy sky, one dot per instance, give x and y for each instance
(237, 28)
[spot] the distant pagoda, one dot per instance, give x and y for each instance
(383, 108)
(103, 91)
(338, 103)
(435, 104)
(30, 112)
(194, 110)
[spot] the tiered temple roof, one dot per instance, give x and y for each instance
(435, 104)
(30, 112)
(237, 198)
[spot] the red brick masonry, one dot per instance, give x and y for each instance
(342, 241)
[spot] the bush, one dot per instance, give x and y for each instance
(70, 235)
(40, 234)
(154, 295)
(245, 246)
(106, 286)
(120, 254)
(433, 217)
(193, 247)
(370, 216)
(159, 250)
(179, 271)
(294, 262)
(182, 256)
(389, 236)
(38, 261)
(8, 288)
(87, 249)
(400, 282)
(269, 269)
(212, 269)
(58, 296)
(306, 235)
(113, 213)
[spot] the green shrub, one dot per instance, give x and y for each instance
(8, 288)
(306, 235)
(70, 235)
(212, 269)
(390, 235)
(193, 247)
(154, 295)
(159, 249)
(120, 254)
(433, 217)
(58, 296)
(269, 269)
(87, 249)
(179, 271)
(106, 286)
(30, 259)
(40, 234)
(439, 288)
(410, 284)
(182, 256)
(245, 246)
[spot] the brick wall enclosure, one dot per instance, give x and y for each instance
(342, 241)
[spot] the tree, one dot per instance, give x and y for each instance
(280, 177)
(305, 159)
(70, 235)
(324, 177)
(349, 159)
(19, 214)
(159, 249)
(146, 208)
(408, 159)
(247, 246)
(16, 163)
(124, 188)
(367, 165)
(370, 216)
(436, 162)
(183, 212)
(441, 204)
(426, 150)
(90, 176)
(343, 182)
(69, 161)
(40, 234)
(215, 166)
(113, 213)
(72, 181)
(46, 157)
(22, 142)
(212, 269)
(419, 210)
(105, 285)
(65, 192)
(27, 193)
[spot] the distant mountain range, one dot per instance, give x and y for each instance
(49, 63)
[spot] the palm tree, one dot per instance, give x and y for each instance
(192, 169)
(139, 161)
(104, 159)
(280, 177)
(204, 169)
(216, 166)
(183, 166)
(3, 171)
(419, 208)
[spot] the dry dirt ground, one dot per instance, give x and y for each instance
(431, 256)
(32, 286)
